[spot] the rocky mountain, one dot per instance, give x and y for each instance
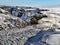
(29, 26)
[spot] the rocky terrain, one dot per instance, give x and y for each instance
(27, 25)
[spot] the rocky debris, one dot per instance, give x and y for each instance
(28, 35)
(9, 22)
(23, 13)
(17, 36)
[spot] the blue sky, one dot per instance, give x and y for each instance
(30, 2)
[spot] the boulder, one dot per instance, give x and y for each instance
(20, 23)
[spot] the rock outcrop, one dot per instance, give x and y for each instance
(8, 22)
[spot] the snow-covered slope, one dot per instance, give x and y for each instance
(16, 31)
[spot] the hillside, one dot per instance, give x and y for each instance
(18, 24)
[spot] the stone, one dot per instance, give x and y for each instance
(20, 23)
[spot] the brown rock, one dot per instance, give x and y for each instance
(20, 23)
